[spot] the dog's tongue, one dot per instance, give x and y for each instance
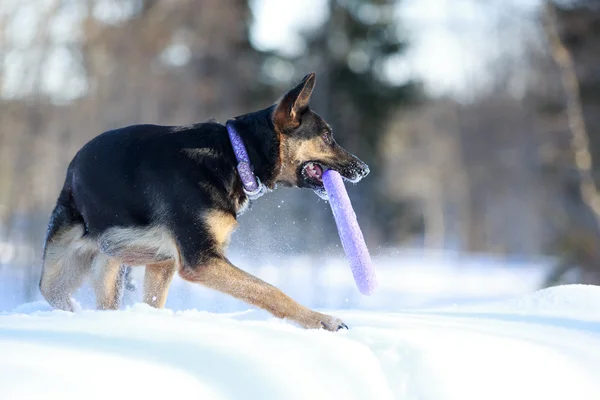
(314, 171)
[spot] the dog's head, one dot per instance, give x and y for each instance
(307, 146)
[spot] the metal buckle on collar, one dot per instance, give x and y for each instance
(256, 193)
(253, 188)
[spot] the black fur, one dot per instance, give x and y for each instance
(141, 175)
(65, 213)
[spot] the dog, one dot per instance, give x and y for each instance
(168, 198)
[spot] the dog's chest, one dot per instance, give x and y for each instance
(220, 225)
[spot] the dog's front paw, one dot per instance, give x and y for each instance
(334, 325)
(327, 322)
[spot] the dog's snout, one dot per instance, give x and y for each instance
(356, 170)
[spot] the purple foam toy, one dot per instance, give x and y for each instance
(350, 233)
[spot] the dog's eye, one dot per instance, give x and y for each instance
(327, 138)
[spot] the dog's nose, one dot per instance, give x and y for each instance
(360, 168)
(364, 170)
(356, 170)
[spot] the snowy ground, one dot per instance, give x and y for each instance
(506, 341)
(408, 279)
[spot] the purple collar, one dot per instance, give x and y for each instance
(252, 185)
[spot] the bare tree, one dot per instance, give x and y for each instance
(579, 147)
(580, 139)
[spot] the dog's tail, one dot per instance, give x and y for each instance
(65, 213)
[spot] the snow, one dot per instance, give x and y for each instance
(427, 334)
(156, 353)
(407, 279)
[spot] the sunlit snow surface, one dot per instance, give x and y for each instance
(543, 345)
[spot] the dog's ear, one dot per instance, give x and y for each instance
(288, 113)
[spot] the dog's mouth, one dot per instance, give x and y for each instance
(312, 173)
(312, 177)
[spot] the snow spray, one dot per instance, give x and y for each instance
(350, 233)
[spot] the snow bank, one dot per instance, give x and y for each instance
(153, 354)
(576, 302)
(544, 345)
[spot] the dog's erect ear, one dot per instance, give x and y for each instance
(288, 113)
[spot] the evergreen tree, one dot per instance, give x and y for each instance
(350, 52)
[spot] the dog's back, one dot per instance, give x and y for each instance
(125, 186)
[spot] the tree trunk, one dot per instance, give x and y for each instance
(580, 148)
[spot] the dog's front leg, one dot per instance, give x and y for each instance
(219, 274)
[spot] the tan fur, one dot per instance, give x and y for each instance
(69, 258)
(219, 274)
(220, 225)
(106, 282)
(157, 280)
(153, 247)
(67, 261)
(294, 152)
(138, 246)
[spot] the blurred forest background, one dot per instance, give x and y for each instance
(480, 120)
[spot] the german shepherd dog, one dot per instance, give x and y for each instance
(168, 197)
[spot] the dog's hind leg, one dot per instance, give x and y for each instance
(157, 280)
(67, 261)
(151, 246)
(108, 284)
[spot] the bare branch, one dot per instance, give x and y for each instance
(577, 126)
